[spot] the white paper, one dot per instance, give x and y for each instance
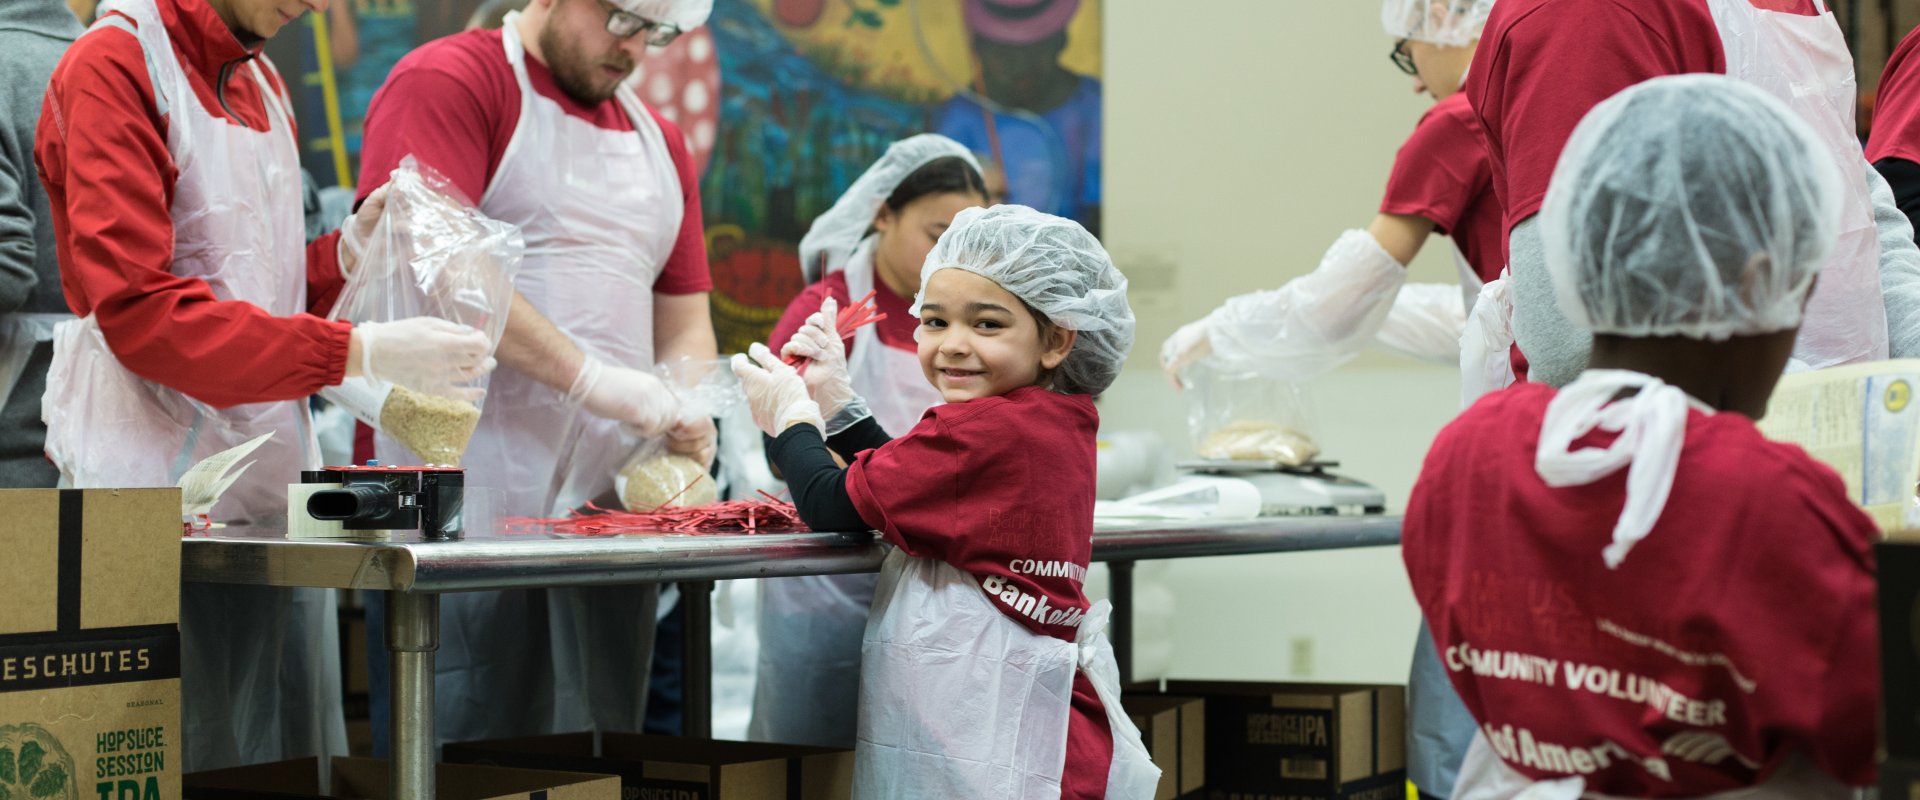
(1862, 420)
(205, 482)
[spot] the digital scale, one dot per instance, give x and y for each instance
(1290, 491)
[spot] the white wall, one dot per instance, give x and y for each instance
(1242, 136)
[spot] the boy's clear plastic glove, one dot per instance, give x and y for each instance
(357, 228)
(775, 393)
(426, 354)
(639, 400)
(828, 381)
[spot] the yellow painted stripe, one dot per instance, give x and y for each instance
(330, 91)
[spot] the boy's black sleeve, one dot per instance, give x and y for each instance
(864, 435)
(819, 486)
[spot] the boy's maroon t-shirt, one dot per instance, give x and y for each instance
(1002, 489)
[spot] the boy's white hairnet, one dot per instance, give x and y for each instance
(1058, 268)
(1455, 23)
(831, 240)
(1689, 205)
(688, 14)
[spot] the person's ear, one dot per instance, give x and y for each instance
(886, 219)
(1059, 344)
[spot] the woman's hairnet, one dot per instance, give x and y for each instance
(831, 240)
(1689, 205)
(1058, 268)
(1455, 23)
(687, 14)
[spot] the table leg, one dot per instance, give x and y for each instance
(696, 702)
(413, 633)
(1121, 581)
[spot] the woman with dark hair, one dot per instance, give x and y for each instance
(874, 239)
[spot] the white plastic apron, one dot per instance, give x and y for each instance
(959, 700)
(1804, 61)
(807, 683)
(1485, 777)
(260, 666)
(888, 378)
(1486, 346)
(600, 210)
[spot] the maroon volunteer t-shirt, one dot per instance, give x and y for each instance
(1896, 109)
(453, 103)
(1442, 174)
(1739, 632)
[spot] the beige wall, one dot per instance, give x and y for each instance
(1242, 136)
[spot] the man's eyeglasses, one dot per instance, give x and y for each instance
(1402, 58)
(623, 24)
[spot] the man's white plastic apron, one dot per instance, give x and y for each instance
(959, 700)
(601, 210)
(260, 667)
(1804, 61)
(807, 683)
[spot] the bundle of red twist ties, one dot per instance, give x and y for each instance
(850, 319)
(771, 515)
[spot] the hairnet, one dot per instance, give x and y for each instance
(1691, 205)
(687, 14)
(1455, 23)
(833, 235)
(1058, 268)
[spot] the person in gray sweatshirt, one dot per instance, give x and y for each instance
(33, 35)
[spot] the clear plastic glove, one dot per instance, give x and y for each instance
(426, 354)
(638, 400)
(357, 228)
(693, 437)
(828, 381)
(775, 393)
(1315, 322)
(1187, 345)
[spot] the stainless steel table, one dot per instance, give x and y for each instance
(414, 574)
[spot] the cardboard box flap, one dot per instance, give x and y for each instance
(366, 779)
(90, 559)
(299, 777)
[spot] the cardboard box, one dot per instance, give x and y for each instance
(1175, 731)
(90, 643)
(673, 768)
(1285, 741)
(1898, 567)
(366, 779)
(1900, 778)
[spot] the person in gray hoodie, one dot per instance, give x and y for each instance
(33, 35)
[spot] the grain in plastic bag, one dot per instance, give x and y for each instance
(433, 254)
(1241, 416)
(654, 478)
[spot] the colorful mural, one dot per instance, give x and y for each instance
(812, 91)
(784, 103)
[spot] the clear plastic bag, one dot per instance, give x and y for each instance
(653, 477)
(431, 255)
(1241, 416)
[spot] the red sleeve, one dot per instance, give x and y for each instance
(1547, 63)
(1440, 170)
(686, 270)
(804, 304)
(442, 105)
(903, 485)
(324, 280)
(111, 188)
(1896, 108)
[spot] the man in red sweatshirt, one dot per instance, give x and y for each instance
(167, 149)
